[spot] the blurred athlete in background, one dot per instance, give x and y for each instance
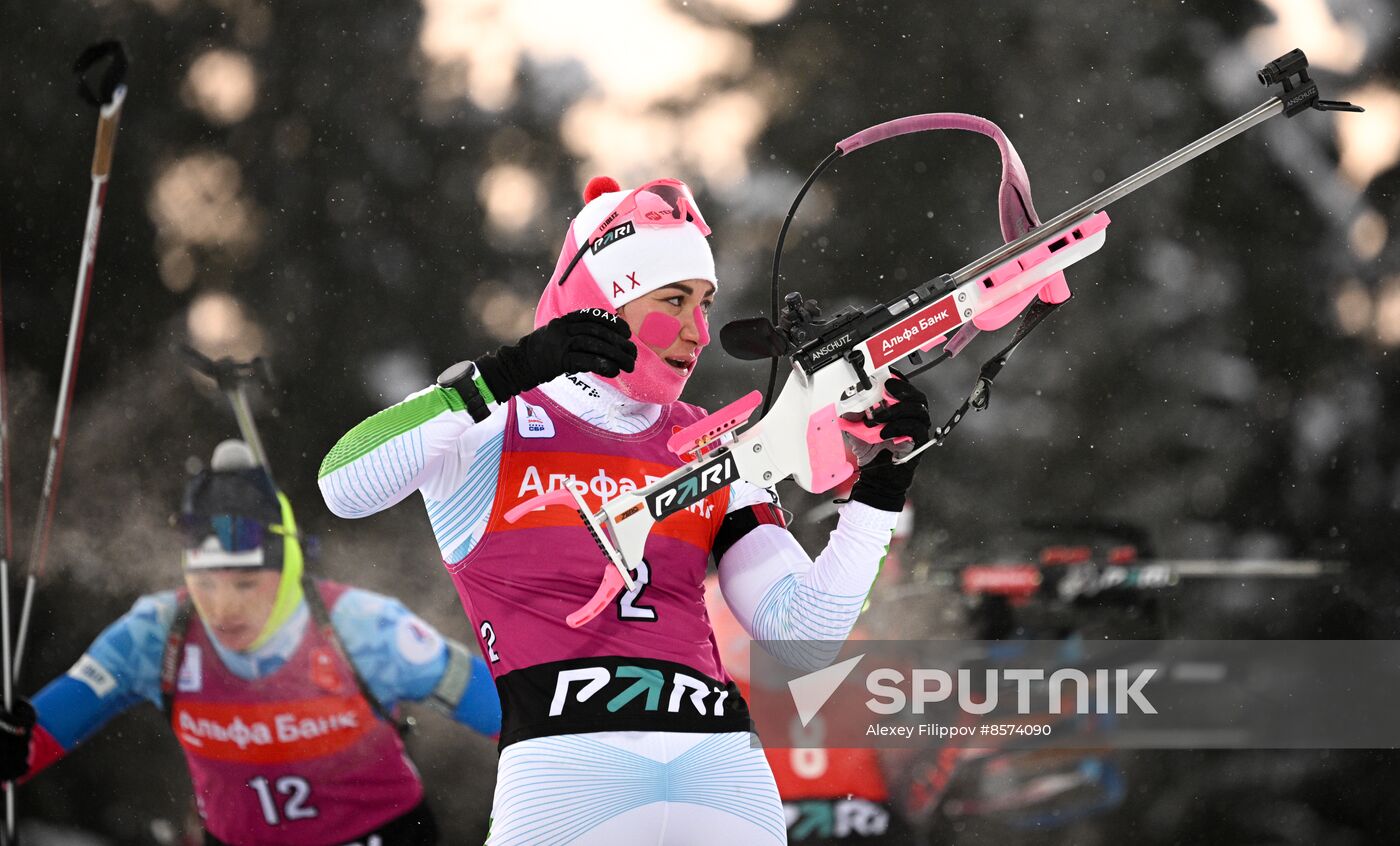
(280, 688)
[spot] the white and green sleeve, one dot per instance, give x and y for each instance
(428, 443)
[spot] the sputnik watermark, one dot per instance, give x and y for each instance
(1077, 694)
(1112, 690)
(1095, 691)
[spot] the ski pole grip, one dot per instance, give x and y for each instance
(108, 119)
(108, 96)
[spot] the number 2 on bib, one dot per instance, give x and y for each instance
(627, 607)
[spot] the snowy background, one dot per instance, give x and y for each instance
(367, 192)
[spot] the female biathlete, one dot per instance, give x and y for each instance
(625, 729)
(280, 689)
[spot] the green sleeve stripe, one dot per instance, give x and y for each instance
(389, 424)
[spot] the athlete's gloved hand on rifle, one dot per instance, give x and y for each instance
(586, 341)
(882, 483)
(16, 730)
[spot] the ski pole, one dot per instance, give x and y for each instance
(6, 551)
(108, 99)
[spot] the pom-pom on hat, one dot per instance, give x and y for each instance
(599, 185)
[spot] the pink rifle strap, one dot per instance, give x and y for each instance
(1017, 212)
(1015, 209)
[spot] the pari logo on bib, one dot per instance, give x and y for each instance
(622, 246)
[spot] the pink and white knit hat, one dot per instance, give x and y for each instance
(625, 261)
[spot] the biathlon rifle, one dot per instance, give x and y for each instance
(233, 378)
(840, 365)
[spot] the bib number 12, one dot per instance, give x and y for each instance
(296, 791)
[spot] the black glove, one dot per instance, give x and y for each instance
(16, 730)
(882, 483)
(586, 341)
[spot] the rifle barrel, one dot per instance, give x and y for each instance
(1044, 232)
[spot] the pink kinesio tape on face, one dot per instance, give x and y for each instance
(652, 380)
(702, 326)
(659, 330)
